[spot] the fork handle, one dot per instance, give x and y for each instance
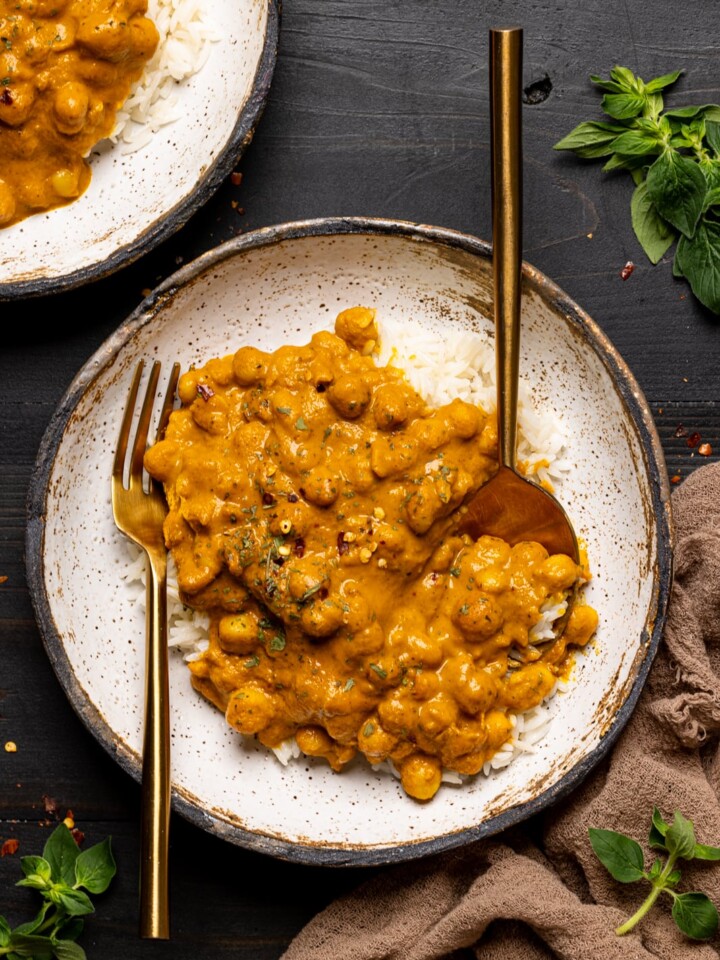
(155, 815)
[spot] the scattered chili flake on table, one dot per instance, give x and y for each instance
(693, 440)
(705, 450)
(675, 478)
(681, 430)
(236, 178)
(9, 848)
(10, 747)
(78, 836)
(627, 270)
(3, 579)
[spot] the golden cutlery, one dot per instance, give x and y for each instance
(139, 509)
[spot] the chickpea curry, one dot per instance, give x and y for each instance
(313, 499)
(66, 67)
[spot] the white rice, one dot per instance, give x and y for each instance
(461, 366)
(186, 35)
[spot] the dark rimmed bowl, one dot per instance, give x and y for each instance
(138, 199)
(278, 285)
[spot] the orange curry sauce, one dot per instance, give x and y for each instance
(66, 66)
(312, 498)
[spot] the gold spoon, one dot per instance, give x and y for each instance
(508, 505)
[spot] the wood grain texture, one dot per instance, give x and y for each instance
(378, 108)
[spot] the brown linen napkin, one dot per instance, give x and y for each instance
(538, 892)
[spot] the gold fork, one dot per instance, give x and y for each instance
(139, 510)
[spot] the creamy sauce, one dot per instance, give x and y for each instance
(66, 66)
(312, 503)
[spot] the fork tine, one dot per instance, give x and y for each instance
(140, 444)
(169, 401)
(121, 449)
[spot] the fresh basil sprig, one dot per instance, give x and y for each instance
(694, 913)
(63, 876)
(673, 157)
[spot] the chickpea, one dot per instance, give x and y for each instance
(494, 580)
(437, 715)
(389, 457)
(480, 618)
(220, 370)
(464, 418)
(306, 578)
(211, 414)
(65, 183)
(356, 326)
(250, 366)
(489, 551)
(421, 776)
(390, 406)
(474, 689)
(7, 203)
(559, 571)
(527, 686)
(239, 633)
(425, 685)
(321, 618)
(369, 640)
(321, 486)
(582, 624)
(498, 726)
(350, 396)
(250, 709)
(424, 649)
(71, 107)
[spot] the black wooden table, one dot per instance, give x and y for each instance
(378, 108)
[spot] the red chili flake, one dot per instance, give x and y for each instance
(9, 848)
(3, 579)
(51, 807)
(675, 478)
(236, 178)
(627, 270)
(681, 430)
(693, 440)
(78, 836)
(705, 450)
(299, 547)
(240, 210)
(342, 545)
(6, 97)
(205, 391)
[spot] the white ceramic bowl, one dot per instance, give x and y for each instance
(136, 200)
(278, 285)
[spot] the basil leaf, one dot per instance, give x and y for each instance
(712, 135)
(4, 932)
(618, 162)
(625, 77)
(712, 198)
(623, 106)
(620, 855)
(677, 271)
(70, 929)
(699, 261)
(680, 838)
(658, 827)
(654, 234)
(696, 915)
(590, 138)
(67, 950)
(659, 83)
(95, 867)
(608, 85)
(677, 187)
(61, 852)
(39, 948)
(655, 870)
(704, 852)
(635, 143)
(36, 867)
(74, 902)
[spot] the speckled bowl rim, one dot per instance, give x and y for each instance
(175, 218)
(654, 464)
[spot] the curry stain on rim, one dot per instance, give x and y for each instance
(211, 177)
(617, 707)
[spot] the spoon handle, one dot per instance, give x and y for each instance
(506, 150)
